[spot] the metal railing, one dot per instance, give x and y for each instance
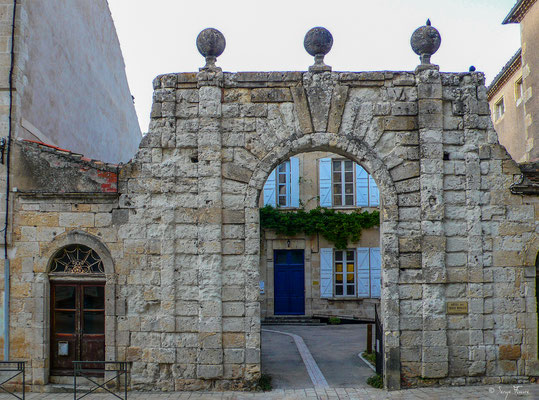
(86, 373)
(379, 340)
(13, 366)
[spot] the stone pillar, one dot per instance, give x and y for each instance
(210, 340)
(476, 120)
(434, 357)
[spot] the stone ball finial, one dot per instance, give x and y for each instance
(318, 42)
(211, 43)
(425, 42)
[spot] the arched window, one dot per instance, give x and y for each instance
(77, 259)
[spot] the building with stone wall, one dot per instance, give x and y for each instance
(304, 275)
(64, 84)
(166, 249)
(514, 107)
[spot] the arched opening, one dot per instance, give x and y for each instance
(77, 316)
(75, 287)
(316, 282)
(350, 276)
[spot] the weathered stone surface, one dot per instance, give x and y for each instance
(302, 109)
(271, 95)
(181, 237)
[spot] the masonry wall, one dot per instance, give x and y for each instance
(186, 250)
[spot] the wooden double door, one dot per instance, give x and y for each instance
(77, 325)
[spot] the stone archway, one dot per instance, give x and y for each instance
(359, 152)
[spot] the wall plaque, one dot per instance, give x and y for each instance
(457, 307)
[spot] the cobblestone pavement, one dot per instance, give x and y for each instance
(493, 392)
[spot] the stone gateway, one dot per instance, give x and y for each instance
(174, 239)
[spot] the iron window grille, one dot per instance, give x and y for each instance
(77, 259)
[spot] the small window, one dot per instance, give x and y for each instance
(282, 186)
(343, 183)
(499, 109)
(519, 91)
(345, 273)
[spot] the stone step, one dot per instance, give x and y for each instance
(65, 388)
(293, 320)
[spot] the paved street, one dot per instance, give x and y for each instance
(330, 371)
(504, 392)
(334, 348)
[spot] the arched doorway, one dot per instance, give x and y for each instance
(358, 152)
(77, 314)
(319, 270)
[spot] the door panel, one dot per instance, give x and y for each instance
(77, 325)
(289, 278)
(93, 324)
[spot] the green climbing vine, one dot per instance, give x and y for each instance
(337, 227)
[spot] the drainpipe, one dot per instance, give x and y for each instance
(6, 225)
(6, 309)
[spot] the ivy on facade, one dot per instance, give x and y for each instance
(340, 228)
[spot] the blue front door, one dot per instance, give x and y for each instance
(289, 282)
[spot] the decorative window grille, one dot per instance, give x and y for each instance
(77, 259)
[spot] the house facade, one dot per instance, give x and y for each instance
(63, 83)
(306, 274)
(511, 95)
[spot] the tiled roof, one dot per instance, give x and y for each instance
(518, 11)
(74, 156)
(512, 65)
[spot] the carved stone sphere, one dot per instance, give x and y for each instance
(425, 40)
(318, 41)
(211, 42)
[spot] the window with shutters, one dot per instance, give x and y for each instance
(345, 273)
(344, 183)
(282, 186)
(350, 273)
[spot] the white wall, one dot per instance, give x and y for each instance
(76, 93)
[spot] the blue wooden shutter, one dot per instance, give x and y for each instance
(363, 272)
(362, 187)
(325, 182)
(376, 271)
(294, 182)
(374, 193)
(326, 272)
(269, 190)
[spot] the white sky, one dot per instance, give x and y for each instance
(158, 36)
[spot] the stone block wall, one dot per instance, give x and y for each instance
(185, 249)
